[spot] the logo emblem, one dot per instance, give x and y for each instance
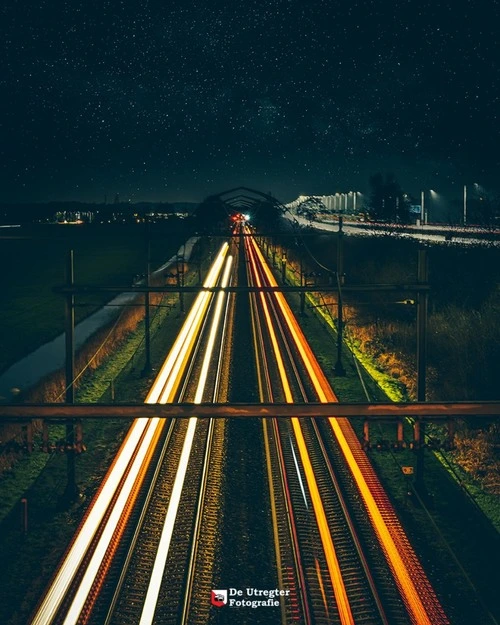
(219, 598)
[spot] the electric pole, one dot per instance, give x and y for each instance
(422, 307)
(339, 367)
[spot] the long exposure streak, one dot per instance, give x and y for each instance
(319, 511)
(138, 440)
(326, 394)
(173, 506)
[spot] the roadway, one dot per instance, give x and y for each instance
(431, 233)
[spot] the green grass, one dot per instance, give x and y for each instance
(446, 524)
(41, 478)
(381, 386)
(32, 558)
(32, 313)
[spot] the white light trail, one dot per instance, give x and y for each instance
(67, 570)
(213, 333)
(202, 298)
(156, 579)
(298, 473)
(111, 525)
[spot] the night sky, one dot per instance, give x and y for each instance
(173, 100)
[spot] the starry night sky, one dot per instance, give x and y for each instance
(175, 99)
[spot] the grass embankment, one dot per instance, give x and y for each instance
(32, 313)
(463, 333)
(33, 556)
(440, 522)
(103, 255)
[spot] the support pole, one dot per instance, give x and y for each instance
(366, 435)
(465, 204)
(71, 493)
(339, 367)
(70, 331)
(422, 307)
(183, 264)
(417, 433)
(180, 280)
(45, 436)
(302, 293)
(400, 436)
(147, 315)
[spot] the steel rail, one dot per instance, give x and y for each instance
(69, 568)
(417, 593)
(353, 541)
(322, 457)
(299, 605)
(329, 549)
(185, 618)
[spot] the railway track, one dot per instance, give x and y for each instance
(146, 551)
(361, 548)
(300, 539)
(187, 569)
(141, 551)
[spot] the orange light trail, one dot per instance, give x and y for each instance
(326, 538)
(149, 607)
(139, 437)
(325, 395)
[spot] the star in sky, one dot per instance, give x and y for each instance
(176, 100)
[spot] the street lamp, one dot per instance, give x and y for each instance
(424, 213)
(434, 196)
(465, 204)
(476, 186)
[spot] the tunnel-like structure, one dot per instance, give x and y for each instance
(240, 200)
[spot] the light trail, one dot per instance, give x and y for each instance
(111, 525)
(326, 538)
(67, 570)
(141, 433)
(161, 384)
(153, 591)
(266, 393)
(325, 393)
(298, 473)
(213, 333)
